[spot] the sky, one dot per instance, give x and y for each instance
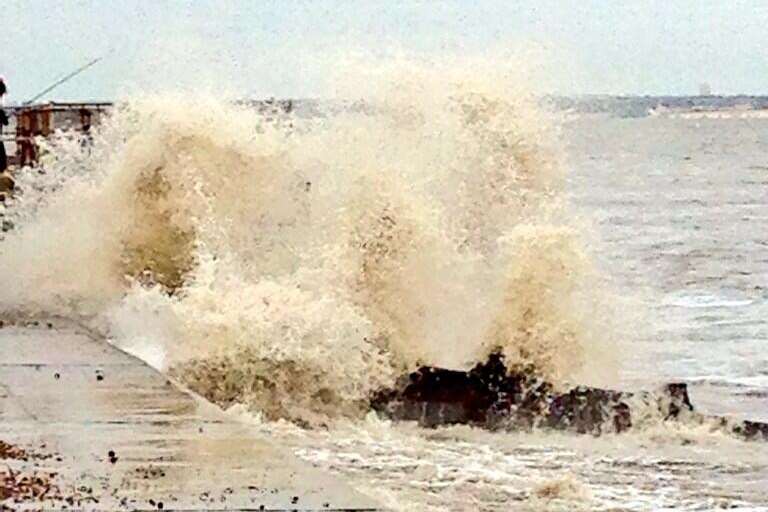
(285, 48)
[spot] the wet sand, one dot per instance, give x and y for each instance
(117, 434)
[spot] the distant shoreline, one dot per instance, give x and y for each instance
(617, 106)
(643, 106)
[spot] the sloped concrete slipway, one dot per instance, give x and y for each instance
(86, 426)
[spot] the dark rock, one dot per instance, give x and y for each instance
(436, 396)
(678, 399)
(589, 411)
(492, 396)
(752, 430)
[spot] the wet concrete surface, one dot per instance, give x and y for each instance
(119, 435)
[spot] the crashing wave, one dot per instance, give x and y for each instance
(298, 266)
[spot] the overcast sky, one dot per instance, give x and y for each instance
(284, 47)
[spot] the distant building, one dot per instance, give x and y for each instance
(705, 90)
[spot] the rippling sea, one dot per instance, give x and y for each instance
(680, 205)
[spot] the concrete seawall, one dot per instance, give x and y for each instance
(112, 433)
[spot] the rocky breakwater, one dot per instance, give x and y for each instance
(495, 397)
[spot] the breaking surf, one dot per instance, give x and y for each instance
(289, 267)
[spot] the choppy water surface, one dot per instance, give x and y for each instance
(285, 270)
(681, 207)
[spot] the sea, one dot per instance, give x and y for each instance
(285, 267)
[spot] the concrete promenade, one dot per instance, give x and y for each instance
(117, 435)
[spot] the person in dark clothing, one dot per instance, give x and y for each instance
(3, 156)
(3, 122)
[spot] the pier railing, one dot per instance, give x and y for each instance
(34, 121)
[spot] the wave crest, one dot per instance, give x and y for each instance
(298, 263)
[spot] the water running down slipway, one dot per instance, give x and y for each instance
(285, 270)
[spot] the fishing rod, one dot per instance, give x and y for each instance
(64, 79)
